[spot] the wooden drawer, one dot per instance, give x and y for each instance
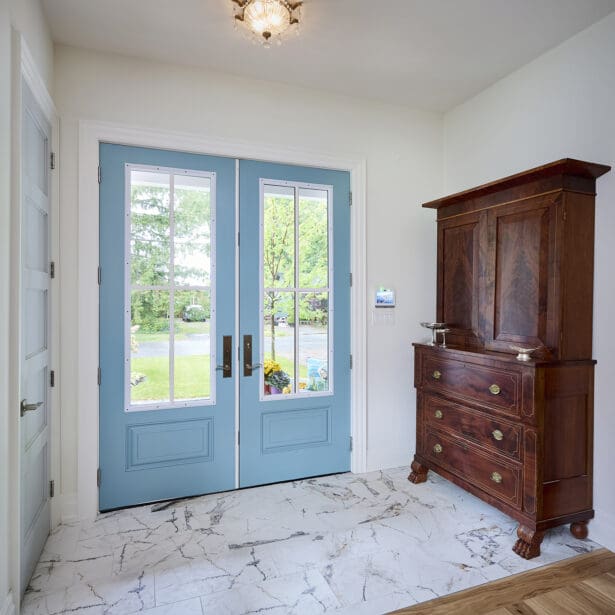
(488, 431)
(495, 388)
(493, 475)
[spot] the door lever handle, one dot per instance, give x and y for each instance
(227, 357)
(248, 366)
(24, 407)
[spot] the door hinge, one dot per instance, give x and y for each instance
(99, 376)
(52, 378)
(99, 275)
(238, 438)
(99, 175)
(564, 215)
(52, 160)
(350, 199)
(238, 240)
(98, 477)
(351, 279)
(52, 270)
(52, 488)
(350, 361)
(351, 443)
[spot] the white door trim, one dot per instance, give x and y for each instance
(91, 133)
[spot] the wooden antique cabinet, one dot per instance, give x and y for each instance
(515, 268)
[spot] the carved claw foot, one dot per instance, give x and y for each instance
(418, 474)
(528, 544)
(579, 529)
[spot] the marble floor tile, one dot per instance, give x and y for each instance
(299, 594)
(345, 544)
(185, 607)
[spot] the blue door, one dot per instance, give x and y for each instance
(168, 357)
(167, 257)
(294, 322)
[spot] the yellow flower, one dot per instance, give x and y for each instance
(286, 390)
(271, 366)
(302, 385)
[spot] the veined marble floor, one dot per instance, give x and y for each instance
(344, 544)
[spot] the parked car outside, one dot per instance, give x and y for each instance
(194, 313)
(280, 318)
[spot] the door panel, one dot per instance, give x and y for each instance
(459, 275)
(167, 254)
(34, 335)
(295, 308)
(520, 303)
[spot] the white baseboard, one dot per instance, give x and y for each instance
(8, 608)
(602, 529)
(70, 512)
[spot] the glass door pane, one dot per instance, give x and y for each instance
(171, 320)
(296, 264)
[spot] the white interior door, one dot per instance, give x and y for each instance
(35, 408)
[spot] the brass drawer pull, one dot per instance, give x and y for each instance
(496, 477)
(436, 374)
(497, 435)
(437, 449)
(494, 389)
(438, 414)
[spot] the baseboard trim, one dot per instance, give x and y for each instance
(602, 529)
(8, 608)
(70, 512)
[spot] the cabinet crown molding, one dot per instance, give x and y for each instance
(558, 175)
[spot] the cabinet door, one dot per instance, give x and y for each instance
(459, 270)
(521, 290)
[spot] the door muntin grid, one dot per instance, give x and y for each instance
(296, 297)
(183, 277)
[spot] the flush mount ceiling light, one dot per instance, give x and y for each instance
(268, 20)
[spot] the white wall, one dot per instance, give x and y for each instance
(560, 105)
(403, 152)
(29, 20)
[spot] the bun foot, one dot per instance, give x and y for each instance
(418, 474)
(579, 529)
(528, 544)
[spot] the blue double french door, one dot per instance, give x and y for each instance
(182, 397)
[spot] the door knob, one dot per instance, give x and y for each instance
(24, 407)
(255, 366)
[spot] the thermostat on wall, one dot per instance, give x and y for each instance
(385, 298)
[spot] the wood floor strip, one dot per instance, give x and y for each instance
(605, 584)
(587, 580)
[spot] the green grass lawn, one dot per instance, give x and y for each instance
(191, 378)
(182, 330)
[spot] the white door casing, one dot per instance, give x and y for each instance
(35, 329)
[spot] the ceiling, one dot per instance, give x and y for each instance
(430, 54)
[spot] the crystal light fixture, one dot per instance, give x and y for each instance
(268, 20)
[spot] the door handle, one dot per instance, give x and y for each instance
(24, 407)
(227, 357)
(248, 366)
